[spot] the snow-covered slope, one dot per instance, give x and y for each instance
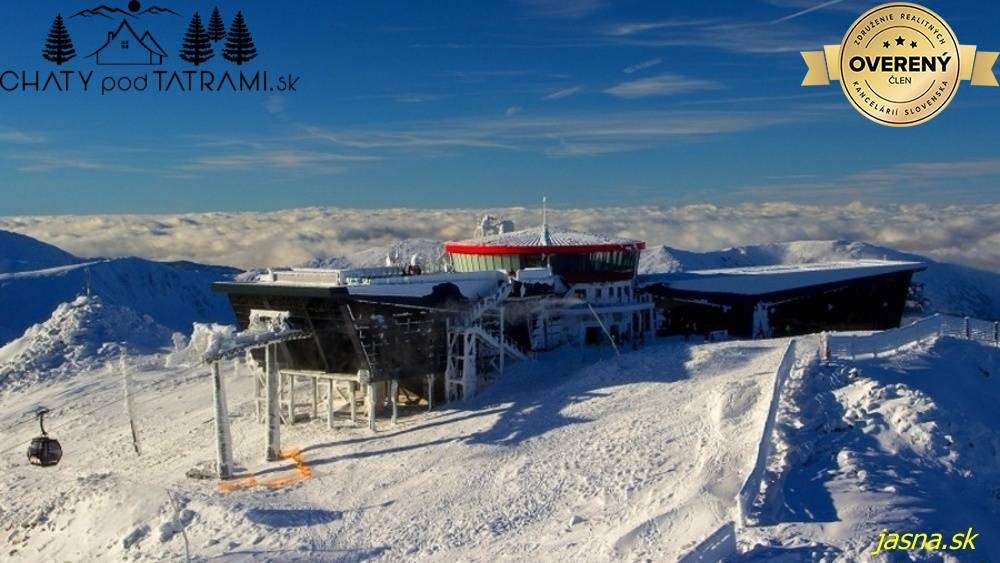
(79, 336)
(20, 253)
(907, 443)
(948, 288)
(574, 457)
(175, 294)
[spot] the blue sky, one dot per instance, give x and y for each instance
(483, 104)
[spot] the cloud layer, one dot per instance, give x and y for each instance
(963, 234)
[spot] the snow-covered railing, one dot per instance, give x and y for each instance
(719, 546)
(849, 346)
(752, 486)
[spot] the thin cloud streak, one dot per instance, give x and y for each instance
(551, 134)
(564, 93)
(641, 66)
(661, 85)
(564, 9)
(800, 13)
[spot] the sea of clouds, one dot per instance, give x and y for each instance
(964, 234)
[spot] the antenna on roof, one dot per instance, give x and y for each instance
(544, 239)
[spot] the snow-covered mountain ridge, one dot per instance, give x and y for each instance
(36, 277)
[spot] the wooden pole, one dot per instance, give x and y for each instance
(129, 404)
(223, 440)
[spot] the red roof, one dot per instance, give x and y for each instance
(543, 241)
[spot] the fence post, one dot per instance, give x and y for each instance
(968, 330)
(129, 403)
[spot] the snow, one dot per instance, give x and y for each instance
(79, 336)
(906, 443)
(575, 456)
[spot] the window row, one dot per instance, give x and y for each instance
(561, 263)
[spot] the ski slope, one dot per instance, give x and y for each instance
(575, 456)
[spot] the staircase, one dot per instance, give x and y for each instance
(478, 347)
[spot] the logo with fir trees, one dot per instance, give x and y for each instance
(197, 46)
(59, 46)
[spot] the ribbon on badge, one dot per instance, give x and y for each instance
(975, 66)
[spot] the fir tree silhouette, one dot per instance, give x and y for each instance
(196, 48)
(216, 29)
(58, 47)
(239, 45)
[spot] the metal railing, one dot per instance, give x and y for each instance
(851, 346)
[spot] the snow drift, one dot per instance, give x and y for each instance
(79, 336)
(907, 443)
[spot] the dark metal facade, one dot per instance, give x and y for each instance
(868, 303)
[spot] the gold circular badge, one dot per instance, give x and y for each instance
(899, 64)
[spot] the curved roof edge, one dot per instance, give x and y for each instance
(543, 241)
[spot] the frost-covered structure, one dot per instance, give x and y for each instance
(505, 294)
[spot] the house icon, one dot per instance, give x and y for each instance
(125, 47)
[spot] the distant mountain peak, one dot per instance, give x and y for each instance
(105, 11)
(158, 10)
